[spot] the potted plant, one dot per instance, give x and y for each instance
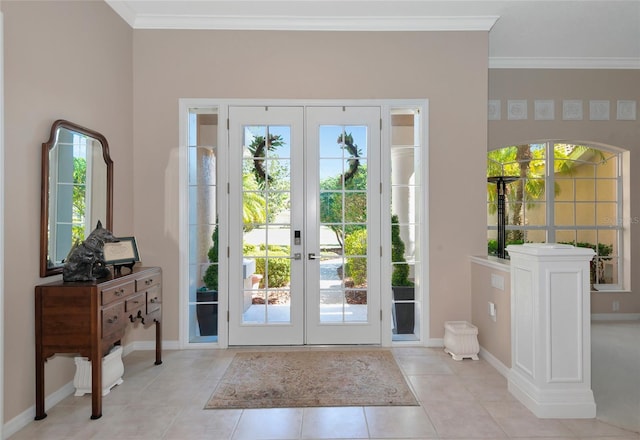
(403, 288)
(206, 311)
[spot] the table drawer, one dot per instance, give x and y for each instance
(148, 281)
(134, 303)
(113, 318)
(115, 293)
(153, 299)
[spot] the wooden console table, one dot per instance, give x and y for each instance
(88, 318)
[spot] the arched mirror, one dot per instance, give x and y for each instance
(77, 191)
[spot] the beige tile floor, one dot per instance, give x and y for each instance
(615, 372)
(458, 400)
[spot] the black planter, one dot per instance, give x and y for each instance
(404, 314)
(207, 313)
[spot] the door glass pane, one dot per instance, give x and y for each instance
(406, 188)
(343, 216)
(266, 197)
(355, 207)
(203, 226)
(329, 168)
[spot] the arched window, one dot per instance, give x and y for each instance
(563, 192)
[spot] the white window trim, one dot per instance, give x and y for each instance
(623, 210)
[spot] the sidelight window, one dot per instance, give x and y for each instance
(406, 221)
(202, 160)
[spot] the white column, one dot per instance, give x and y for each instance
(403, 195)
(551, 330)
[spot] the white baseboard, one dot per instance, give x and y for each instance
(150, 345)
(495, 362)
(563, 402)
(615, 316)
(23, 419)
(434, 342)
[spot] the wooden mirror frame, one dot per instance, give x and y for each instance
(45, 269)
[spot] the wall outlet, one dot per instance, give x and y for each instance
(492, 311)
(616, 306)
(497, 281)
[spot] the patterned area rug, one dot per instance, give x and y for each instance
(312, 378)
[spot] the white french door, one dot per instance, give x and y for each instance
(266, 281)
(304, 235)
(343, 207)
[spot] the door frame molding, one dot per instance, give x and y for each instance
(222, 105)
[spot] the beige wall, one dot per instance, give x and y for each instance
(612, 85)
(493, 336)
(169, 65)
(68, 60)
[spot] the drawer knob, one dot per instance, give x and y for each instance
(113, 320)
(120, 292)
(153, 300)
(149, 281)
(138, 316)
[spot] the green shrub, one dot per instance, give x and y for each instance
(356, 268)
(210, 277)
(279, 268)
(492, 246)
(400, 274)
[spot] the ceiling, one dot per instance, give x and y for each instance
(522, 33)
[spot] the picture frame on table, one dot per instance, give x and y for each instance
(122, 252)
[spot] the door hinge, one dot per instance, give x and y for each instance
(380, 187)
(228, 188)
(227, 316)
(380, 124)
(381, 251)
(228, 251)
(380, 314)
(227, 123)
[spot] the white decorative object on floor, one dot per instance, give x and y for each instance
(461, 340)
(112, 370)
(551, 330)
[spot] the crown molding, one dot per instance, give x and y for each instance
(309, 23)
(301, 22)
(563, 63)
(124, 10)
(613, 29)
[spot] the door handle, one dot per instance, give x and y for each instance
(296, 256)
(313, 256)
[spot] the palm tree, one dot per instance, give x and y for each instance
(254, 206)
(259, 149)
